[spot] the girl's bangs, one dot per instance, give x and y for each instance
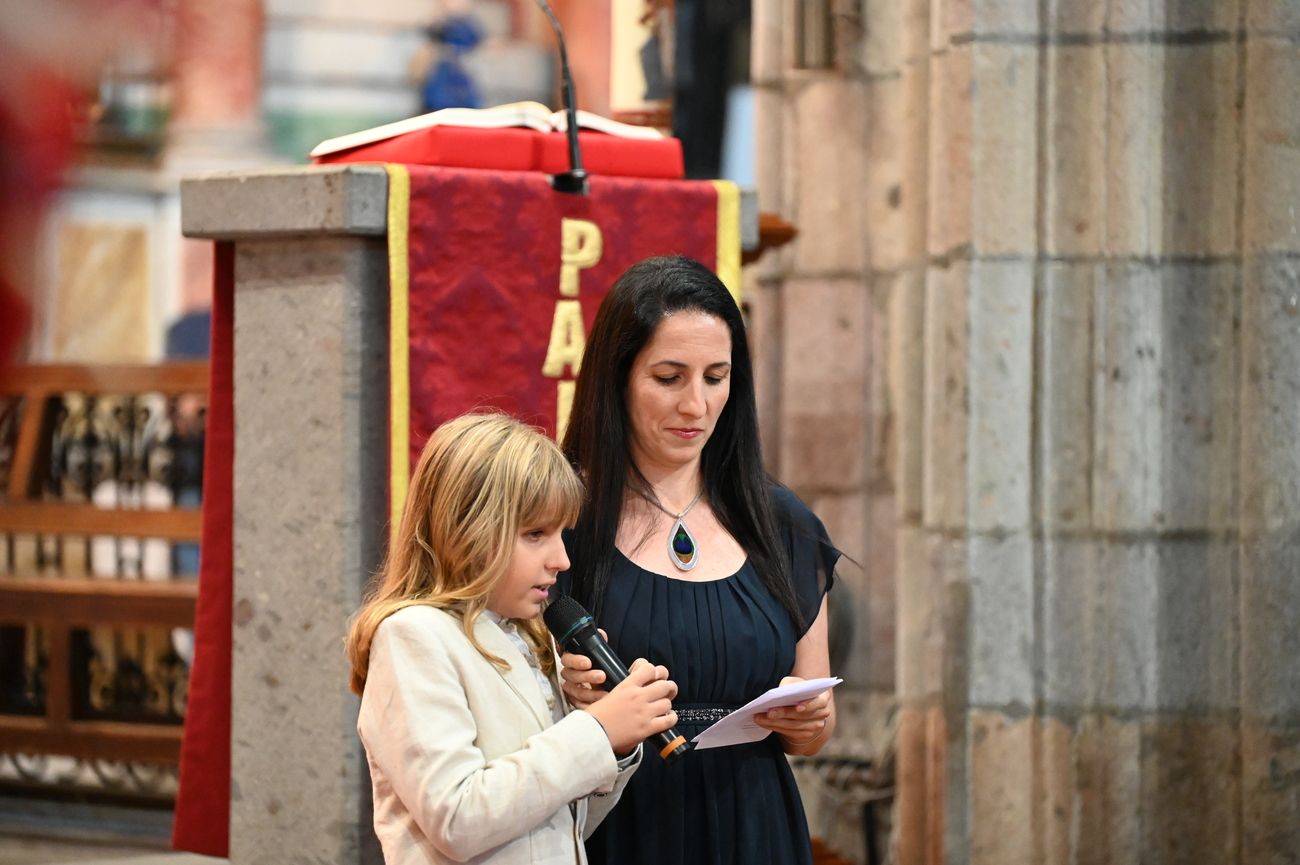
(552, 492)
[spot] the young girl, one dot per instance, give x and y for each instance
(474, 754)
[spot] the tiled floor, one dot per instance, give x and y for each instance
(36, 831)
(21, 850)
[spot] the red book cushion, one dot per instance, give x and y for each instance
(612, 155)
(510, 149)
(519, 149)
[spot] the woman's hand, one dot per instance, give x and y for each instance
(639, 706)
(582, 684)
(803, 725)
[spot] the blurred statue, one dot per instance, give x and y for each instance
(708, 34)
(656, 53)
(444, 81)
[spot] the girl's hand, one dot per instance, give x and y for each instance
(802, 724)
(582, 684)
(638, 707)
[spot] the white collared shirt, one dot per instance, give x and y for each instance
(511, 631)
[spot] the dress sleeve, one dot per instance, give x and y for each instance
(812, 555)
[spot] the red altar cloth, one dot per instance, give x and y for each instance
(489, 323)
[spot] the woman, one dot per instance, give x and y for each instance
(689, 556)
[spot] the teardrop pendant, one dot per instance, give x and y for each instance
(682, 548)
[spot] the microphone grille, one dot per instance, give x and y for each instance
(562, 614)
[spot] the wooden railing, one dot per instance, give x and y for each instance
(60, 604)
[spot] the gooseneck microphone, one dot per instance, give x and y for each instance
(575, 630)
(575, 179)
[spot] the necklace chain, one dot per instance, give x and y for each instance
(682, 549)
(650, 497)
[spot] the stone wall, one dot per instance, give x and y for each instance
(820, 311)
(1068, 233)
(819, 318)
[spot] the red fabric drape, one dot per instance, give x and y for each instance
(202, 823)
(485, 267)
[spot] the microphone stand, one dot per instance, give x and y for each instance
(573, 181)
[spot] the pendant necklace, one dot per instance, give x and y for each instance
(682, 548)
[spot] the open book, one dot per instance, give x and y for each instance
(531, 115)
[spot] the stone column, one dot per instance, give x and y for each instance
(1101, 524)
(1269, 550)
(311, 415)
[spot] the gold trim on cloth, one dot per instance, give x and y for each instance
(728, 266)
(399, 392)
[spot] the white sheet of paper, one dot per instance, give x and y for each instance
(739, 727)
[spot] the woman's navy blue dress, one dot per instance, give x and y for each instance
(724, 643)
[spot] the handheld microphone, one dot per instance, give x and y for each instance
(575, 630)
(575, 179)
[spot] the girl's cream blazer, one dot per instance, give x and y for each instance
(465, 763)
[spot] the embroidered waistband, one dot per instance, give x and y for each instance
(703, 714)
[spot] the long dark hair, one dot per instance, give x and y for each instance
(597, 440)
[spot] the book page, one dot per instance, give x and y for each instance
(527, 114)
(739, 727)
(533, 115)
(588, 120)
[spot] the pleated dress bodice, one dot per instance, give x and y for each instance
(724, 642)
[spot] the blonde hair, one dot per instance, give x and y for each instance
(480, 481)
